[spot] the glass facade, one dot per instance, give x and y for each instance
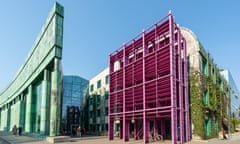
(74, 90)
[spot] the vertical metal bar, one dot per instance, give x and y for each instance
(145, 138)
(180, 86)
(187, 120)
(110, 121)
(173, 81)
(125, 124)
(156, 67)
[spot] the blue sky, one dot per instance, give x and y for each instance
(95, 28)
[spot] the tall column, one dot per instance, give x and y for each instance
(0, 117)
(56, 85)
(8, 117)
(173, 80)
(18, 110)
(3, 118)
(28, 125)
(21, 111)
(45, 103)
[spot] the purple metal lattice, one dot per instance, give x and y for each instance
(149, 85)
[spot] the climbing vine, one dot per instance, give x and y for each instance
(201, 111)
(196, 101)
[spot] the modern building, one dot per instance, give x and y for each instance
(74, 92)
(148, 92)
(209, 91)
(33, 99)
(234, 94)
(98, 103)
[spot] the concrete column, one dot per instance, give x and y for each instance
(8, 117)
(22, 111)
(18, 111)
(2, 119)
(44, 124)
(28, 125)
(12, 115)
(56, 86)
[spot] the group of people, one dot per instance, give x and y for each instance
(78, 131)
(16, 130)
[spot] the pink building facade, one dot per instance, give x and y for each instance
(148, 94)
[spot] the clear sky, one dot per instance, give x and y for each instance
(95, 28)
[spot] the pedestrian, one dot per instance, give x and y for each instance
(14, 130)
(79, 131)
(20, 130)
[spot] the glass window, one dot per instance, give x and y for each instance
(106, 111)
(99, 84)
(106, 126)
(106, 95)
(91, 88)
(90, 101)
(98, 98)
(204, 66)
(91, 114)
(98, 113)
(107, 79)
(206, 97)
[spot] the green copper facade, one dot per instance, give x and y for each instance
(33, 99)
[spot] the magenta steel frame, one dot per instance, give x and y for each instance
(149, 85)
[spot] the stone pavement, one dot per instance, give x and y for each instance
(8, 138)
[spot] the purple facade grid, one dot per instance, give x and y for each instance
(149, 85)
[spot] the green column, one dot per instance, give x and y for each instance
(28, 110)
(8, 128)
(22, 111)
(17, 111)
(44, 124)
(2, 119)
(12, 115)
(56, 85)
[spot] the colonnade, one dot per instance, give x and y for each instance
(36, 110)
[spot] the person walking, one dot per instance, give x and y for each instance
(79, 131)
(14, 130)
(19, 130)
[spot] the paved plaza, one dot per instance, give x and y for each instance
(8, 138)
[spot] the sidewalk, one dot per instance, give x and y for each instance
(9, 138)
